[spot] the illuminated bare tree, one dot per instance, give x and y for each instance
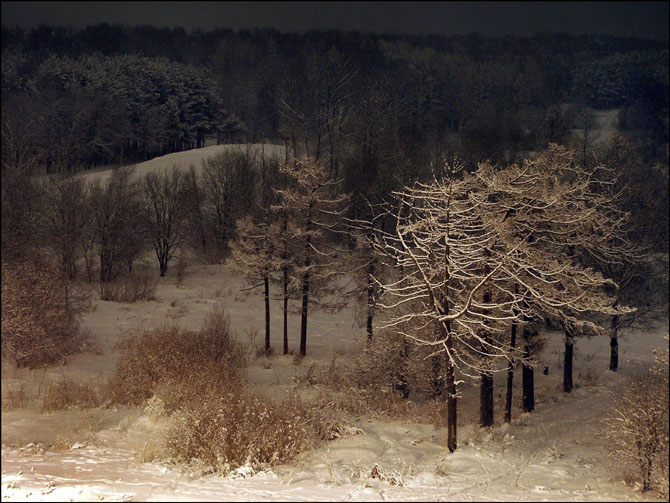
(550, 202)
(256, 253)
(314, 217)
(448, 258)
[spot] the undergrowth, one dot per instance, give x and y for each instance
(194, 381)
(67, 393)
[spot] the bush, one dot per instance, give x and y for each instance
(38, 315)
(638, 431)
(138, 285)
(195, 379)
(176, 364)
(233, 430)
(68, 393)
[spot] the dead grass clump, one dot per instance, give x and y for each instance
(329, 423)
(638, 430)
(176, 364)
(234, 430)
(67, 393)
(15, 396)
(137, 285)
(39, 312)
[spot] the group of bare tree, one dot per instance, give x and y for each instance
(107, 223)
(474, 257)
(474, 265)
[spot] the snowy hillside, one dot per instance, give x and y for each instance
(188, 158)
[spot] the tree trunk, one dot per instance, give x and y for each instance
(437, 382)
(87, 262)
(614, 346)
(528, 384)
(284, 256)
(451, 401)
(285, 281)
(403, 386)
(567, 363)
(370, 303)
(105, 265)
(303, 315)
(486, 400)
(163, 267)
(266, 280)
(486, 377)
(510, 377)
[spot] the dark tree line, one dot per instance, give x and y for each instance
(127, 93)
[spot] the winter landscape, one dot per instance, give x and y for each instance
(258, 265)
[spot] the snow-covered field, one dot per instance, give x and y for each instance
(556, 453)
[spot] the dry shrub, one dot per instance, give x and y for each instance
(15, 396)
(377, 382)
(177, 364)
(38, 314)
(194, 379)
(137, 285)
(638, 431)
(67, 393)
(234, 430)
(328, 422)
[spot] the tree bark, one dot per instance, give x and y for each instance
(486, 377)
(528, 381)
(567, 363)
(370, 303)
(614, 346)
(451, 401)
(303, 316)
(305, 285)
(486, 400)
(285, 281)
(403, 386)
(436, 382)
(510, 377)
(266, 280)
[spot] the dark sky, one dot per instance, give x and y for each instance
(642, 19)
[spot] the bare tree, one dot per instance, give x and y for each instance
(586, 124)
(163, 204)
(314, 215)
(117, 222)
(448, 259)
(227, 181)
(255, 253)
(65, 219)
(552, 203)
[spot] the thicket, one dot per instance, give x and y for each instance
(39, 308)
(178, 365)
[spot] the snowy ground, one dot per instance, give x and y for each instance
(556, 453)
